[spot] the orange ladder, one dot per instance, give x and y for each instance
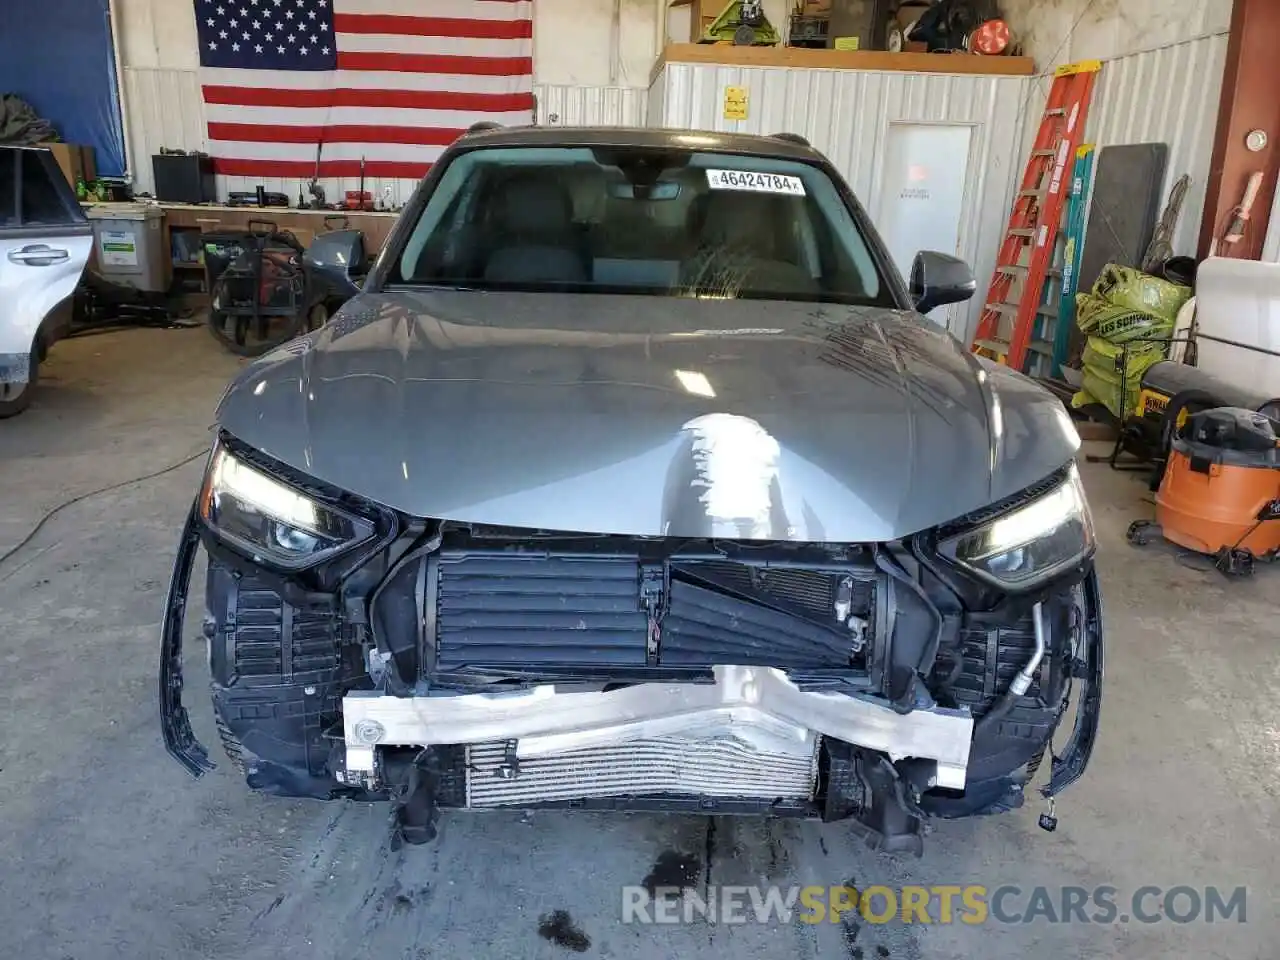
(1034, 222)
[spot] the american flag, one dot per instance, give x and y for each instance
(392, 81)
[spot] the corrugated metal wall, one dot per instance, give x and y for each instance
(847, 114)
(1166, 96)
(1170, 96)
(566, 106)
(166, 110)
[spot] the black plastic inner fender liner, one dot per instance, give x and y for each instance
(278, 674)
(175, 724)
(1087, 669)
(1006, 757)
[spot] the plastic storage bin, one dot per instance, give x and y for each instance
(129, 245)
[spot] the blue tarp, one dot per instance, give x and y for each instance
(57, 56)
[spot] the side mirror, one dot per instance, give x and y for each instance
(938, 278)
(335, 260)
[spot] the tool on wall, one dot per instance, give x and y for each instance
(314, 187)
(1239, 218)
(359, 199)
(743, 24)
(1023, 263)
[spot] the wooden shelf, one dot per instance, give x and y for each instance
(793, 57)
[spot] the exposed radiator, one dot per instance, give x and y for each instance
(720, 767)
(806, 592)
(704, 627)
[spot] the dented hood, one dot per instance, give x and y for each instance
(650, 416)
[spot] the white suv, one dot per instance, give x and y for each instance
(45, 242)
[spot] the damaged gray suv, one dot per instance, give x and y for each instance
(636, 479)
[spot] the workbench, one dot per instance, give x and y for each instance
(185, 257)
(304, 224)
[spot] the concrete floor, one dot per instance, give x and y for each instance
(109, 850)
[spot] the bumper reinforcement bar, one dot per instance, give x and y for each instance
(756, 704)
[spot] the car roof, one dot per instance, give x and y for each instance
(776, 146)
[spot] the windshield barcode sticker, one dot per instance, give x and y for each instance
(751, 180)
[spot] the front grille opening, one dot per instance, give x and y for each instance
(612, 611)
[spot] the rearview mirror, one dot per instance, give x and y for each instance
(938, 278)
(622, 190)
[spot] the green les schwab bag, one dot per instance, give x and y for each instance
(1103, 319)
(1104, 355)
(1105, 384)
(1127, 287)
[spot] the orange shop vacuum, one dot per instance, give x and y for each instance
(1220, 495)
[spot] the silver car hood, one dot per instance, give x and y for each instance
(650, 416)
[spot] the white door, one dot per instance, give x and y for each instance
(922, 194)
(45, 242)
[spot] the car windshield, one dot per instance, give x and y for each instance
(636, 220)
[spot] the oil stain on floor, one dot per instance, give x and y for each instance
(558, 928)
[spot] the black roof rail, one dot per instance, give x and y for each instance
(792, 137)
(482, 126)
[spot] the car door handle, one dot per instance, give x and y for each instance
(39, 255)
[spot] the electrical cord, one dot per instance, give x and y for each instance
(1161, 247)
(31, 534)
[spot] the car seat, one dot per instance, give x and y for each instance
(535, 238)
(741, 245)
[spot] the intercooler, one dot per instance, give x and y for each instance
(713, 767)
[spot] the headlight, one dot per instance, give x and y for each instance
(270, 520)
(1030, 543)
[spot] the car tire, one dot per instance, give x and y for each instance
(14, 401)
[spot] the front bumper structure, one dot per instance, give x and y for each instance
(758, 706)
(737, 738)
